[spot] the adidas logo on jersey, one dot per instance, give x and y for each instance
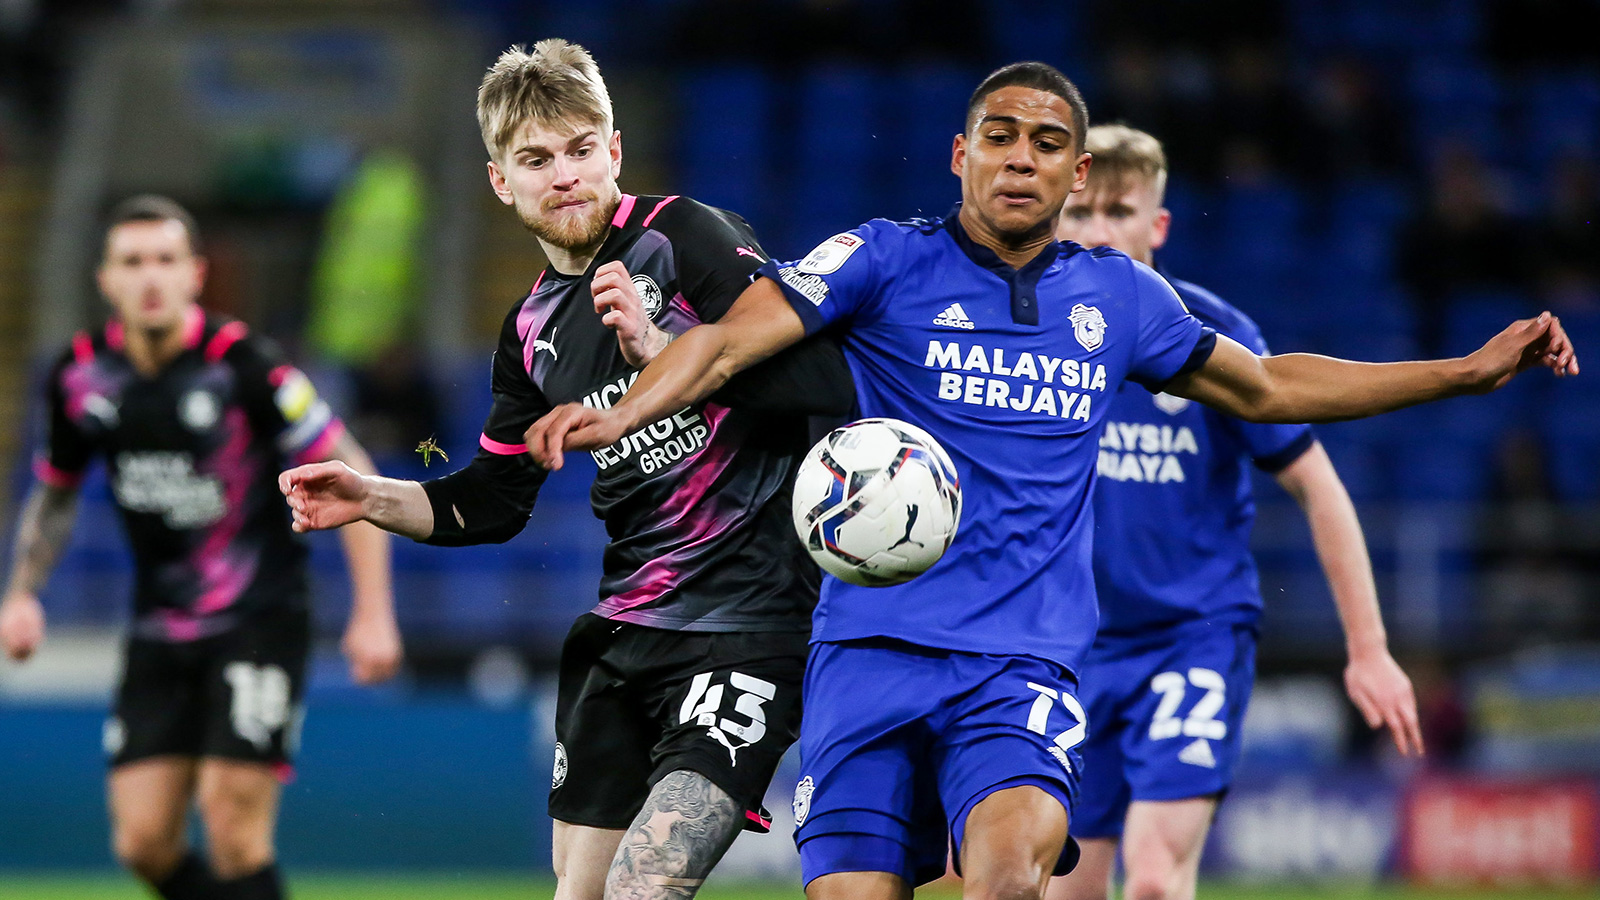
(954, 317)
(1198, 754)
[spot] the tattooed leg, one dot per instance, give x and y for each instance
(686, 825)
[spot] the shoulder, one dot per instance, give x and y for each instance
(675, 215)
(1217, 313)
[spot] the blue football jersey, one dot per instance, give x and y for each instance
(1173, 506)
(1013, 372)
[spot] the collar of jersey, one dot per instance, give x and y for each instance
(1024, 282)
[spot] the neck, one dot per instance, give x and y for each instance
(1014, 250)
(152, 349)
(574, 260)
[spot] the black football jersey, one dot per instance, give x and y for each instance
(193, 455)
(697, 504)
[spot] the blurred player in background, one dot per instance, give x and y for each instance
(194, 417)
(1168, 677)
(944, 710)
(680, 691)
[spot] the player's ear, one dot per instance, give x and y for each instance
(616, 153)
(201, 266)
(958, 154)
(1080, 174)
(497, 180)
(1160, 228)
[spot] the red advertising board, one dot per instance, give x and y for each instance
(1501, 832)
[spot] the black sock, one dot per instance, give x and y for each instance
(262, 884)
(191, 880)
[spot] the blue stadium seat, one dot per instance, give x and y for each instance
(1456, 101)
(926, 110)
(1560, 115)
(835, 166)
(727, 140)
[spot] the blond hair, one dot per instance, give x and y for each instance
(556, 84)
(1122, 154)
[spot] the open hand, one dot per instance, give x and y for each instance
(1381, 690)
(1539, 341)
(21, 625)
(571, 426)
(323, 495)
(617, 301)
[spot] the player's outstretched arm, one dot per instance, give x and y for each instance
(372, 637)
(42, 532)
(330, 494)
(690, 369)
(1303, 387)
(1374, 681)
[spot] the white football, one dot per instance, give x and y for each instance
(877, 502)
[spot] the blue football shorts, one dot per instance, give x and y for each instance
(1165, 717)
(899, 742)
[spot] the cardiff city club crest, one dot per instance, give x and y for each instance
(649, 295)
(1088, 326)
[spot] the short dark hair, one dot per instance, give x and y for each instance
(1039, 76)
(154, 208)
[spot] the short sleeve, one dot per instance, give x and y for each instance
(283, 402)
(1171, 341)
(1273, 447)
(66, 450)
(837, 279)
(716, 253)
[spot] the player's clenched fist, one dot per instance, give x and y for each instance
(620, 309)
(323, 495)
(21, 625)
(571, 426)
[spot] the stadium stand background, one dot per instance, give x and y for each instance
(1366, 178)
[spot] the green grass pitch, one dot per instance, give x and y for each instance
(15, 886)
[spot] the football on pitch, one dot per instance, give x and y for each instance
(877, 502)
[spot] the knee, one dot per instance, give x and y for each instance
(1004, 887)
(149, 853)
(238, 834)
(1151, 883)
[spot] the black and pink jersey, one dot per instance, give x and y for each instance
(696, 504)
(193, 455)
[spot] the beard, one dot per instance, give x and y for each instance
(571, 232)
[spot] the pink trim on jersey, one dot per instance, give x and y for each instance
(624, 210)
(278, 376)
(194, 324)
(82, 348)
(179, 625)
(226, 336)
(758, 818)
(224, 570)
(55, 477)
(284, 772)
(321, 447)
(494, 446)
(659, 207)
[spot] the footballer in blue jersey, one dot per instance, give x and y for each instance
(1168, 678)
(943, 715)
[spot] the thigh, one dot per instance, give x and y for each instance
(727, 706)
(1018, 724)
(1186, 714)
(582, 856)
(868, 800)
(160, 705)
(255, 689)
(603, 735)
(1091, 879)
(238, 796)
(1167, 836)
(150, 797)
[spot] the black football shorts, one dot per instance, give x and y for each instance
(236, 695)
(636, 704)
